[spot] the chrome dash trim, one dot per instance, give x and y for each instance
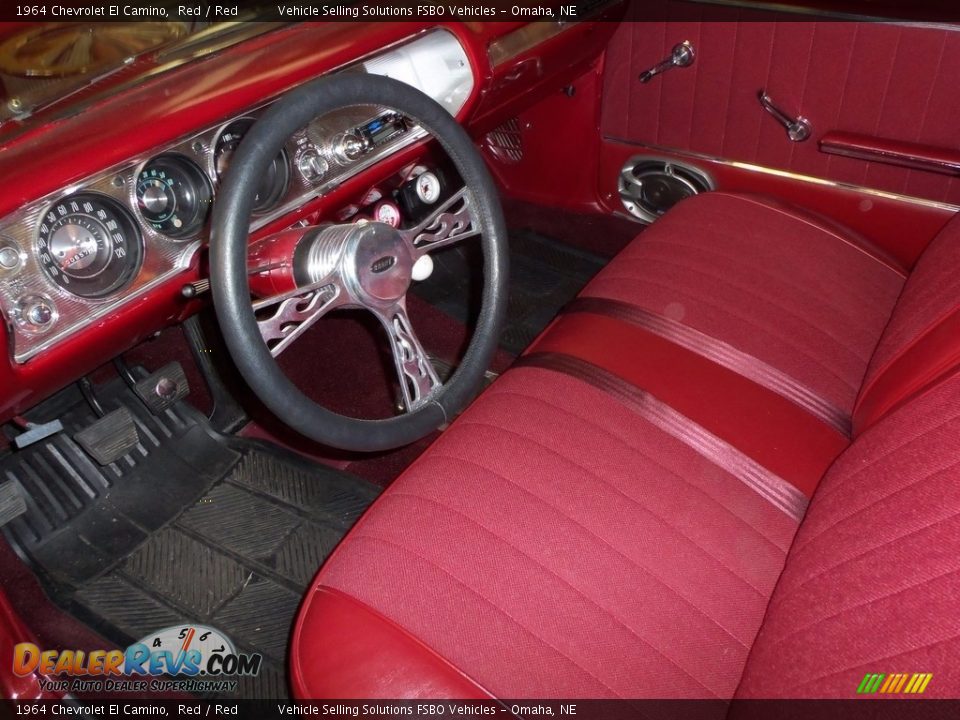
(166, 257)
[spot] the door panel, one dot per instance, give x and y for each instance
(882, 80)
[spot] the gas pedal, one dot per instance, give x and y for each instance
(12, 501)
(109, 438)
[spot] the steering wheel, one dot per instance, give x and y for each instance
(299, 275)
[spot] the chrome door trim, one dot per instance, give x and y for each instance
(809, 179)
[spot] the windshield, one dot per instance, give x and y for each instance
(44, 64)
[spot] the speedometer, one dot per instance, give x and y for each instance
(89, 245)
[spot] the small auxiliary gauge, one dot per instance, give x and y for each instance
(417, 197)
(388, 213)
(428, 187)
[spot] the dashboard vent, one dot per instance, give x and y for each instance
(505, 143)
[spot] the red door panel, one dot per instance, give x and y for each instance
(882, 80)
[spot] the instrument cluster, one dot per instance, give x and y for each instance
(75, 256)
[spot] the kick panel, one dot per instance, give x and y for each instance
(649, 186)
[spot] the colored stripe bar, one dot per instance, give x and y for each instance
(875, 685)
(894, 683)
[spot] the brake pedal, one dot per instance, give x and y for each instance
(12, 502)
(109, 438)
(163, 388)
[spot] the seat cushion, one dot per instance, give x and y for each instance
(784, 289)
(611, 517)
(754, 320)
(560, 540)
(873, 580)
(922, 340)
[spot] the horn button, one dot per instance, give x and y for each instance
(378, 265)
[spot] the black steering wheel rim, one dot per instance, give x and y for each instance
(229, 273)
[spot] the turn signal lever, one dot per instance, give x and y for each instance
(681, 56)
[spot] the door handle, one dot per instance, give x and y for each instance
(798, 128)
(681, 56)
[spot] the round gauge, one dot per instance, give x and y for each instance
(89, 245)
(387, 212)
(428, 188)
(173, 195)
(274, 182)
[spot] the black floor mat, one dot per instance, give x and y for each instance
(191, 527)
(544, 276)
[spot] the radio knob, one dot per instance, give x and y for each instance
(36, 312)
(312, 165)
(10, 255)
(349, 147)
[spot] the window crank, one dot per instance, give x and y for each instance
(681, 56)
(798, 128)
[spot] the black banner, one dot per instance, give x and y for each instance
(878, 709)
(212, 11)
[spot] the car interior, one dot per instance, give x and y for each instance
(607, 358)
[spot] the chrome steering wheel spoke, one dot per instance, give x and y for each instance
(450, 223)
(285, 317)
(418, 379)
(298, 275)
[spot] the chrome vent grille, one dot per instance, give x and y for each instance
(505, 142)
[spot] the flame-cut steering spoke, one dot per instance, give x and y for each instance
(367, 266)
(283, 318)
(450, 223)
(418, 379)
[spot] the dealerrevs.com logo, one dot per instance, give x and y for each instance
(190, 658)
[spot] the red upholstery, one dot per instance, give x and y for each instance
(375, 653)
(542, 540)
(872, 581)
(773, 284)
(768, 428)
(611, 517)
(885, 80)
(920, 343)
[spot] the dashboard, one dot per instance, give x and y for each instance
(121, 178)
(69, 259)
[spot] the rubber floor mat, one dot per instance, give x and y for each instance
(544, 276)
(191, 528)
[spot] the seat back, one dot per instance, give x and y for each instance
(921, 343)
(872, 580)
